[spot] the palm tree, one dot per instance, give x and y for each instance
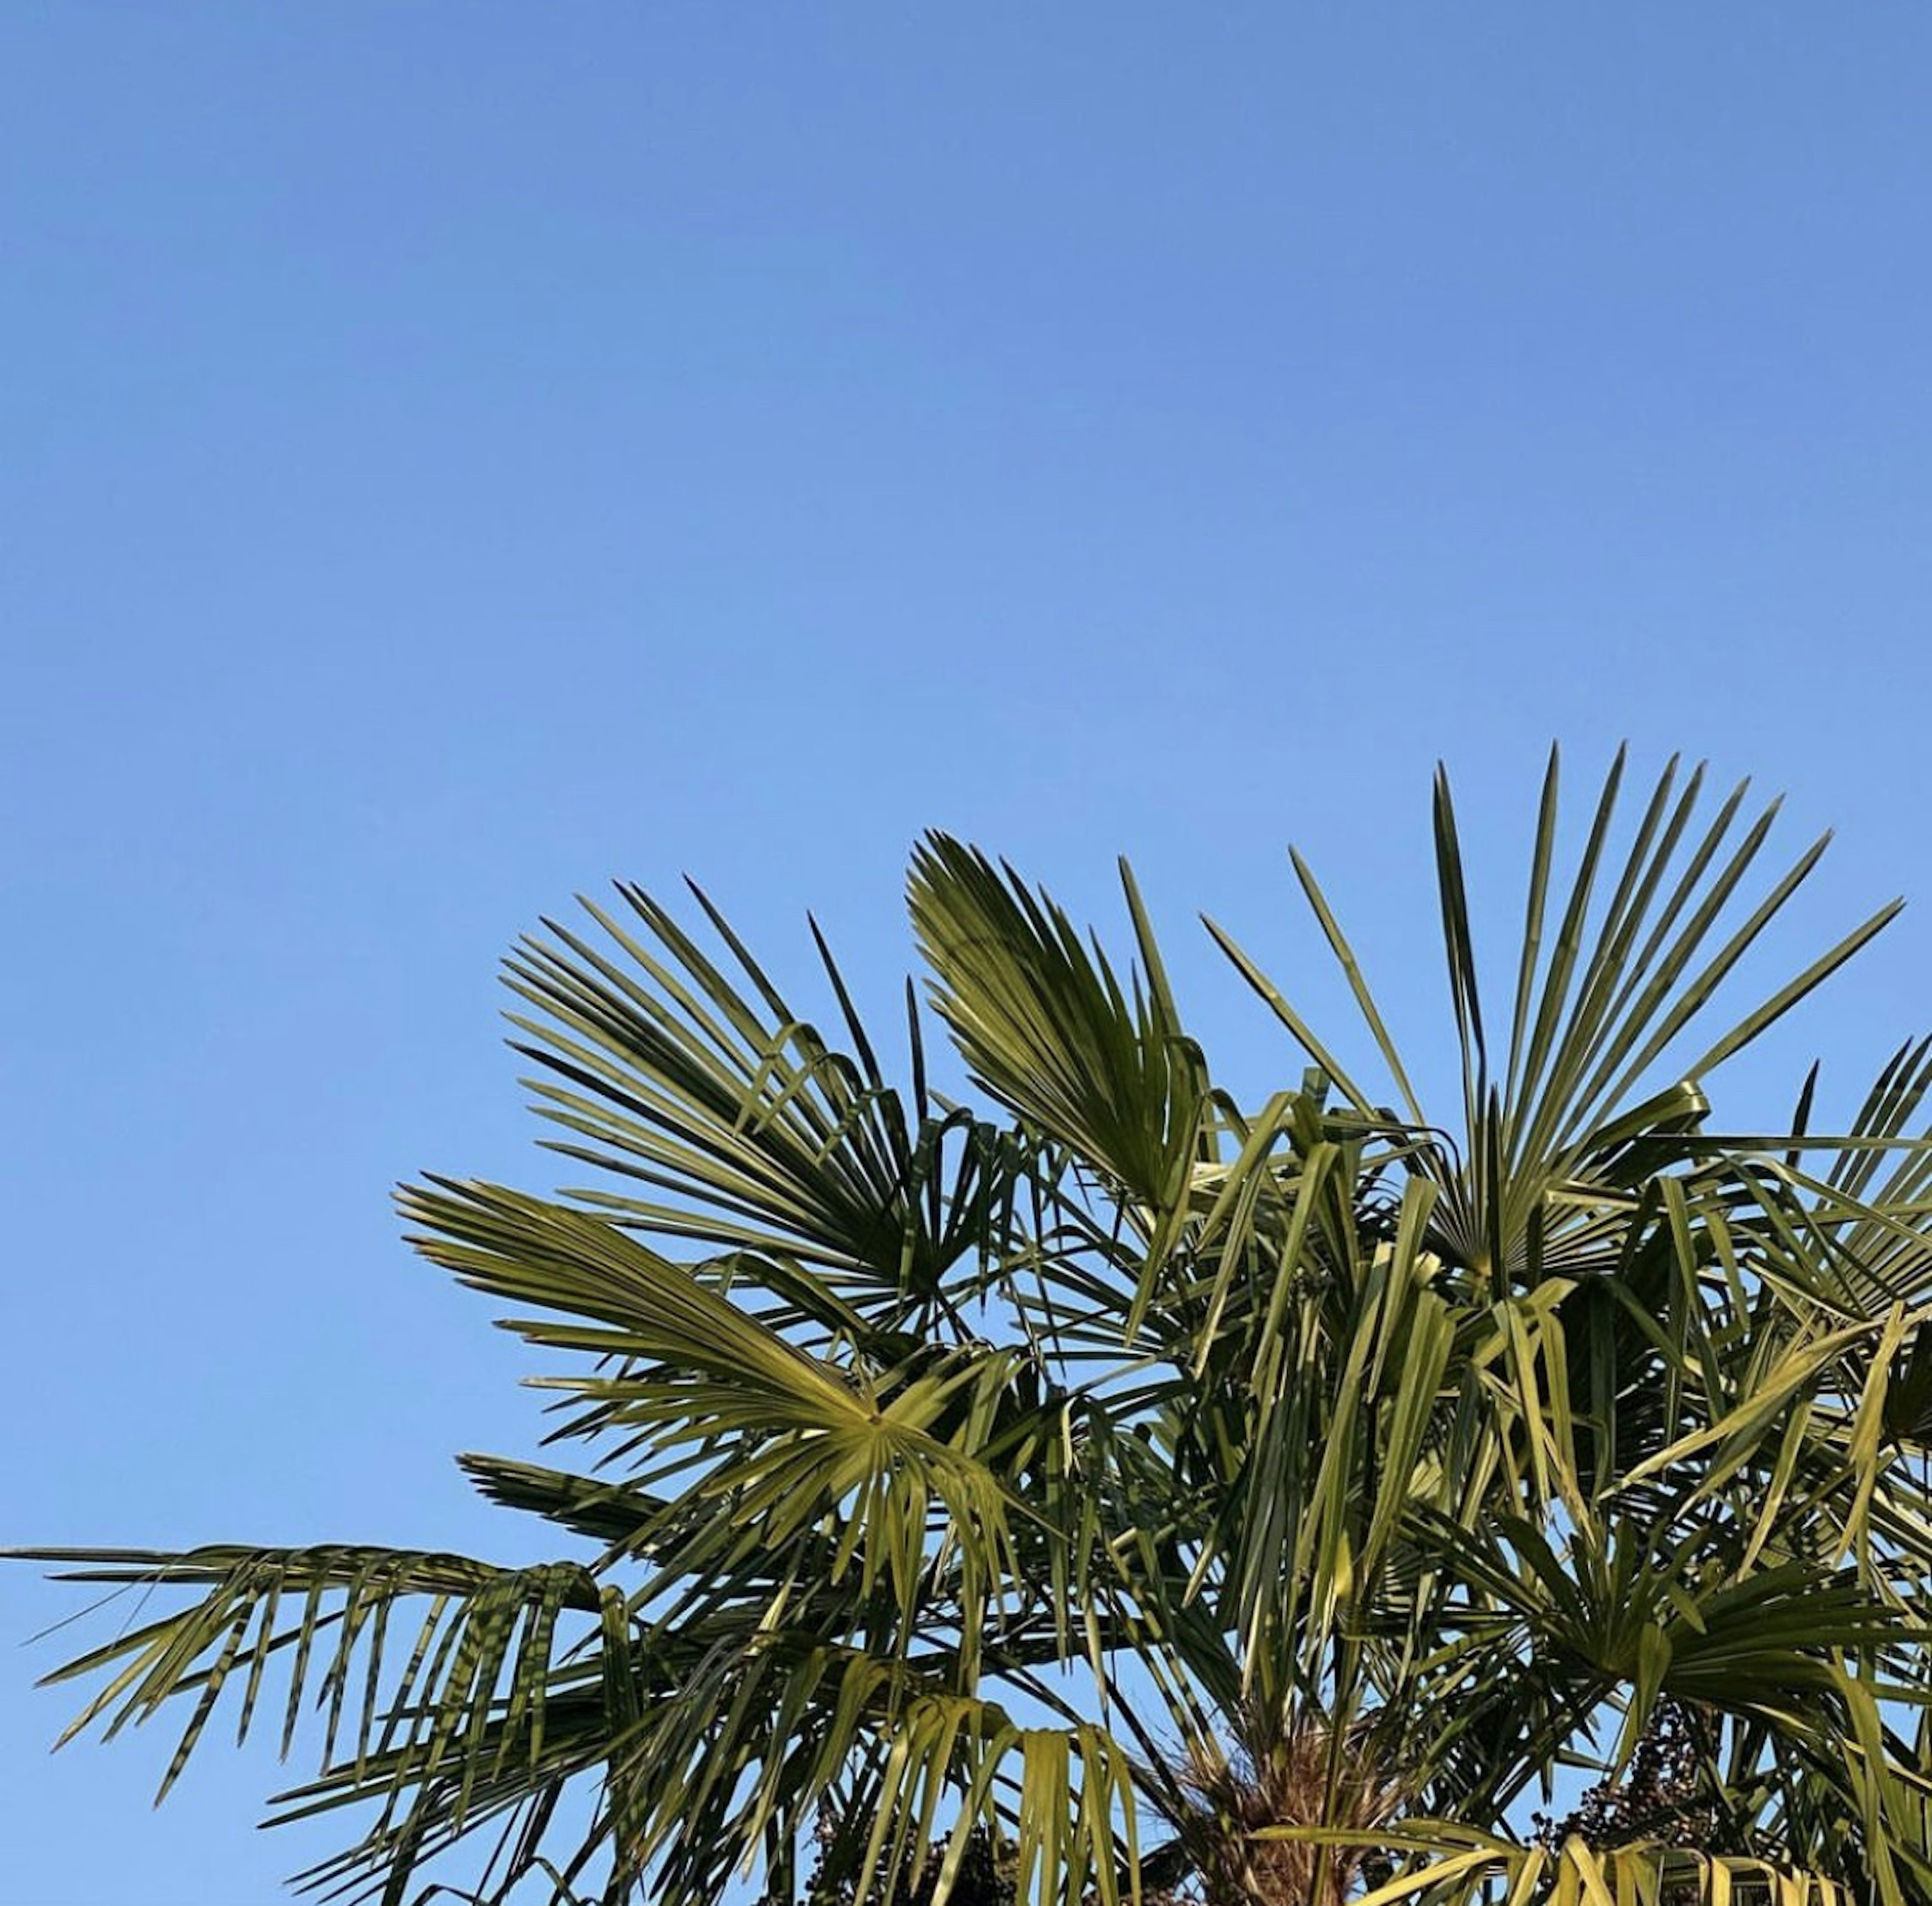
(1112, 1489)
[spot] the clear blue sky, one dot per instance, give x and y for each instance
(456, 454)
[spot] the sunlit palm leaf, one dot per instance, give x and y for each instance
(1047, 1027)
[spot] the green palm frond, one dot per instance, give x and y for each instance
(751, 1133)
(1546, 1128)
(1046, 1026)
(485, 1647)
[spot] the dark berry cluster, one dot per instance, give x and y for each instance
(1663, 1798)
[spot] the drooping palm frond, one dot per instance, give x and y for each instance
(481, 1622)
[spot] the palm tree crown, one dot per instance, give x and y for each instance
(1111, 1490)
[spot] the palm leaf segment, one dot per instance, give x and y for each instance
(1257, 1503)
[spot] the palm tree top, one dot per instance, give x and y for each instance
(1094, 1487)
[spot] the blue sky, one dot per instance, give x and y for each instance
(455, 455)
